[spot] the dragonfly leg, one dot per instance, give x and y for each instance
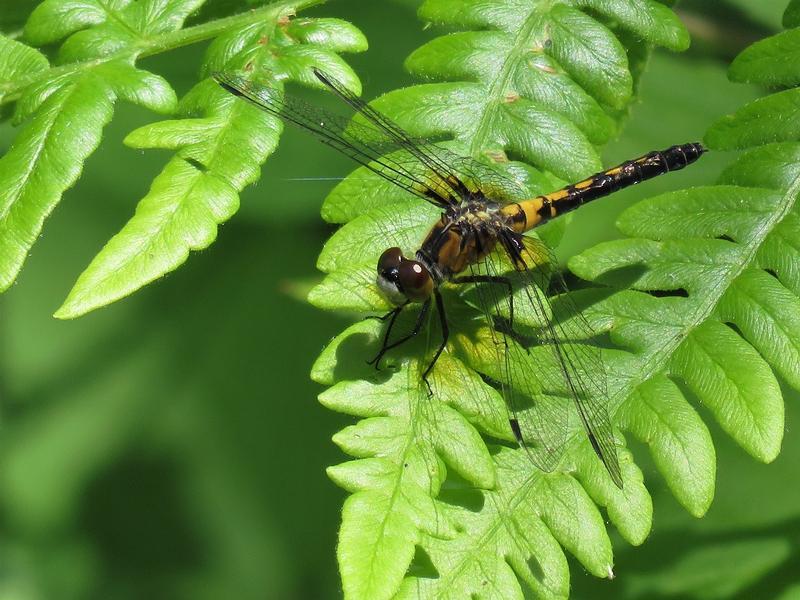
(493, 279)
(391, 314)
(386, 346)
(445, 335)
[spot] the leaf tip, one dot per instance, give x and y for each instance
(71, 309)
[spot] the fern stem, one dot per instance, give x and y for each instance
(205, 31)
(172, 40)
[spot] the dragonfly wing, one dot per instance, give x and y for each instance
(395, 133)
(367, 143)
(538, 410)
(462, 173)
(418, 165)
(550, 372)
(569, 336)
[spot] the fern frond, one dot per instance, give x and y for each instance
(47, 156)
(542, 83)
(219, 146)
(714, 287)
(63, 108)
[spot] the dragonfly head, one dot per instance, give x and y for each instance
(401, 280)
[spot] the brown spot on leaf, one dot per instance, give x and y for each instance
(497, 156)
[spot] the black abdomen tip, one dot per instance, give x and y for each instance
(679, 156)
(695, 148)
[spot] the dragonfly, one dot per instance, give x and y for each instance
(480, 242)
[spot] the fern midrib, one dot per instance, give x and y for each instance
(12, 90)
(504, 509)
(497, 89)
(410, 441)
(168, 220)
(62, 96)
(666, 425)
(116, 18)
(601, 58)
(645, 399)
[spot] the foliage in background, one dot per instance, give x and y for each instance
(202, 459)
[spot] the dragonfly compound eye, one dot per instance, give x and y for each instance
(390, 261)
(415, 280)
(388, 275)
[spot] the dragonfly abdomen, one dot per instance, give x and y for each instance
(528, 214)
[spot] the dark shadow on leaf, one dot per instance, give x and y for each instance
(352, 356)
(535, 568)
(422, 566)
(734, 328)
(460, 492)
(676, 293)
(623, 277)
(196, 164)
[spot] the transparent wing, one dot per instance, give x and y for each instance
(375, 141)
(548, 370)
(465, 175)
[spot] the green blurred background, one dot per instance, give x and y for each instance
(171, 445)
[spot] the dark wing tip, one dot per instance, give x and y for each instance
(226, 81)
(220, 77)
(608, 456)
(326, 79)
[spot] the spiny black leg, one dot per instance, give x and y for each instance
(445, 335)
(391, 313)
(493, 279)
(417, 326)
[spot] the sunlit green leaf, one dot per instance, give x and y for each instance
(17, 59)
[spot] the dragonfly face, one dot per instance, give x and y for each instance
(480, 244)
(402, 280)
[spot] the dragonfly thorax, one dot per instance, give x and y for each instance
(463, 236)
(403, 280)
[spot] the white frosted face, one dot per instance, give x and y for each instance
(390, 291)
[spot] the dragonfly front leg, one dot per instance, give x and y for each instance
(391, 314)
(445, 335)
(386, 346)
